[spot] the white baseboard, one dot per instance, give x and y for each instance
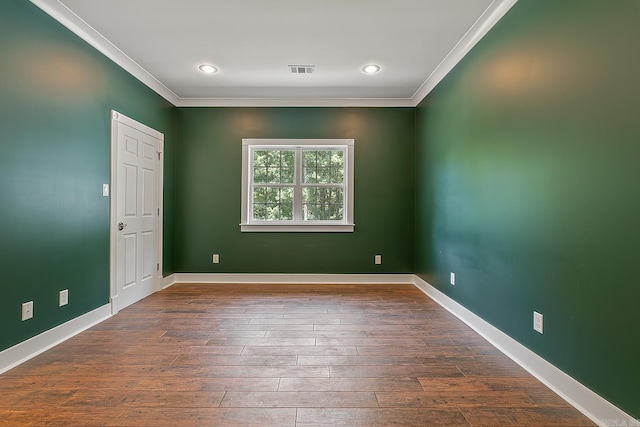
(599, 410)
(20, 353)
(276, 278)
(165, 282)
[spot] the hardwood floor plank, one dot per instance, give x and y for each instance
(201, 360)
(307, 350)
(263, 341)
(395, 371)
(208, 383)
(198, 417)
(492, 365)
(46, 383)
(455, 398)
(219, 350)
(350, 384)
(367, 417)
(525, 417)
(264, 371)
(253, 327)
(57, 416)
(89, 399)
(24, 397)
(484, 384)
(315, 334)
(297, 321)
(382, 342)
(358, 360)
(300, 399)
(429, 351)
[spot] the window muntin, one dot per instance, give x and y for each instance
(297, 185)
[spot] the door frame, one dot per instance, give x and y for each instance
(116, 120)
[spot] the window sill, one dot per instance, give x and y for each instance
(298, 228)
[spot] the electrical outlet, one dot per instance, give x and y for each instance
(538, 322)
(64, 297)
(216, 258)
(27, 310)
(377, 259)
(452, 280)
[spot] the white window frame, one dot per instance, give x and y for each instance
(247, 224)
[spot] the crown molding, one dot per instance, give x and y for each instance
(86, 32)
(82, 29)
(295, 102)
(478, 30)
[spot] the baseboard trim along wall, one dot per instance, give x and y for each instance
(271, 278)
(598, 409)
(20, 353)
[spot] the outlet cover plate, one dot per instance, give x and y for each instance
(377, 259)
(216, 258)
(538, 322)
(27, 310)
(452, 280)
(64, 297)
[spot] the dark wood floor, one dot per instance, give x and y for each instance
(279, 355)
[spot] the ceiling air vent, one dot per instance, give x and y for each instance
(302, 69)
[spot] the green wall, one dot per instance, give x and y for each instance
(55, 98)
(528, 187)
(208, 188)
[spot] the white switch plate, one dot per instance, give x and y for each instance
(377, 259)
(27, 310)
(538, 322)
(216, 258)
(105, 190)
(64, 297)
(452, 280)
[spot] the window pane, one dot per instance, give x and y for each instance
(259, 158)
(323, 166)
(259, 211)
(309, 170)
(273, 203)
(273, 166)
(322, 204)
(337, 167)
(260, 195)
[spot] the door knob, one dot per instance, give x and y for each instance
(121, 226)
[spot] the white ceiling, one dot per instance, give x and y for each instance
(252, 42)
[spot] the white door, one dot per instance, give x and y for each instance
(135, 219)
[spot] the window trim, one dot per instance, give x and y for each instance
(344, 226)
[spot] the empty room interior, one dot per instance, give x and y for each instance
(339, 213)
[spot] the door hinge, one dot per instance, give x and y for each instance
(158, 211)
(158, 267)
(158, 155)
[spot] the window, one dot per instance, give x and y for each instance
(297, 185)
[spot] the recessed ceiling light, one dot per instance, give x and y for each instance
(371, 69)
(208, 68)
